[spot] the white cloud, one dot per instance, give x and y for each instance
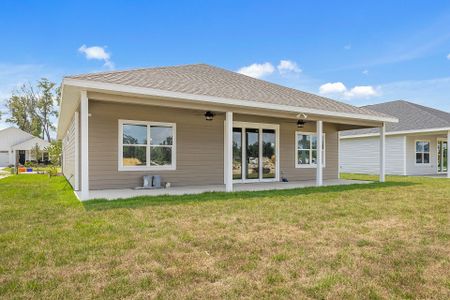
(448, 56)
(287, 66)
(365, 72)
(257, 70)
(338, 89)
(98, 53)
(361, 91)
(332, 88)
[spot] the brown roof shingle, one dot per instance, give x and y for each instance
(206, 80)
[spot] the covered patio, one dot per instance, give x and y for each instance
(112, 194)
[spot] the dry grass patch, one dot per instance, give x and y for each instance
(388, 240)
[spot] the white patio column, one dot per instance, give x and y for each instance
(383, 153)
(319, 170)
(448, 154)
(84, 114)
(228, 153)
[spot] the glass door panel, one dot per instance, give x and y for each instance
(237, 153)
(252, 153)
(268, 153)
(442, 156)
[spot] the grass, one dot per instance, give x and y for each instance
(373, 241)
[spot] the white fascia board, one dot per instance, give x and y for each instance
(395, 133)
(217, 100)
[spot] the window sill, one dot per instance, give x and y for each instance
(146, 169)
(308, 166)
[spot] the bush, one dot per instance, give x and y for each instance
(53, 171)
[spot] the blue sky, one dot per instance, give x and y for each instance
(360, 52)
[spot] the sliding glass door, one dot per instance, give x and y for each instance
(255, 152)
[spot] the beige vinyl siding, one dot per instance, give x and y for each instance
(68, 152)
(199, 146)
(362, 155)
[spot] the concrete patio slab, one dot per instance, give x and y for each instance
(112, 194)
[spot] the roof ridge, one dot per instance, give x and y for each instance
(130, 70)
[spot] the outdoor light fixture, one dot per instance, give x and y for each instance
(209, 115)
(300, 124)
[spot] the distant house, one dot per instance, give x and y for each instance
(416, 145)
(198, 125)
(16, 145)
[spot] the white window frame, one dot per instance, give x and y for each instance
(415, 153)
(147, 167)
(310, 165)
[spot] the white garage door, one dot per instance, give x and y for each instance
(4, 159)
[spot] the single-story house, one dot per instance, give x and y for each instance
(16, 145)
(198, 125)
(416, 145)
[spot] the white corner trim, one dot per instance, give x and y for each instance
(228, 153)
(147, 167)
(218, 100)
(77, 151)
(84, 111)
(405, 159)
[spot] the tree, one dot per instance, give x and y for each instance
(54, 152)
(36, 152)
(32, 109)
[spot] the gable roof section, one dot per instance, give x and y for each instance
(206, 80)
(29, 144)
(11, 136)
(412, 117)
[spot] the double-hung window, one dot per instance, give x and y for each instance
(422, 152)
(306, 150)
(146, 146)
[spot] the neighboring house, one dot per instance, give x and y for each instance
(16, 145)
(416, 145)
(197, 125)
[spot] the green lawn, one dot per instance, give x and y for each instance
(371, 241)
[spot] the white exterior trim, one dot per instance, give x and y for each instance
(311, 165)
(228, 153)
(396, 133)
(319, 169)
(405, 160)
(84, 111)
(218, 100)
(148, 167)
(448, 154)
(383, 153)
(77, 150)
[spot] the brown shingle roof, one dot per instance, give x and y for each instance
(206, 80)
